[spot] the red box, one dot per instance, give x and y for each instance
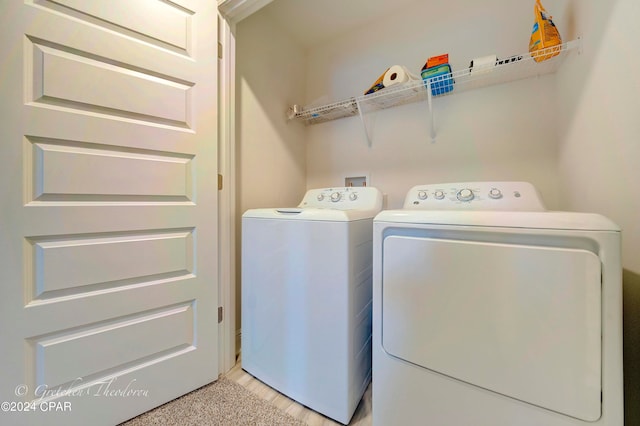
(434, 61)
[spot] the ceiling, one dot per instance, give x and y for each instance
(311, 22)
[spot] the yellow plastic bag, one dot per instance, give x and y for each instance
(377, 85)
(544, 35)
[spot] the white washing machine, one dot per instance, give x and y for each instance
(306, 297)
(489, 310)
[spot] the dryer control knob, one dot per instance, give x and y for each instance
(439, 195)
(353, 196)
(335, 197)
(495, 193)
(422, 195)
(465, 195)
(320, 197)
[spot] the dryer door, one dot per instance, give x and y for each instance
(519, 320)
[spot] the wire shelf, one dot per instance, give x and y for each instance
(516, 67)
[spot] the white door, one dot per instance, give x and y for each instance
(108, 247)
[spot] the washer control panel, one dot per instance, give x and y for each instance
(511, 196)
(343, 198)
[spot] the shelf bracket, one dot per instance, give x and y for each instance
(364, 123)
(575, 44)
(432, 127)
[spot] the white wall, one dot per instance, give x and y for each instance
(270, 152)
(600, 148)
(505, 132)
(600, 126)
(271, 72)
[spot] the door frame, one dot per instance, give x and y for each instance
(230, 12)
(236, 10)
(228, 346)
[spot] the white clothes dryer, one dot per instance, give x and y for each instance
(489, 310)
(306, 297)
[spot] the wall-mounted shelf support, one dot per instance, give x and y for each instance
(364, 123)
(432, 125)
(514, 68)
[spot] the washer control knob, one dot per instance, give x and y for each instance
(320, 197)
(353, 196)
(495, 193)
(439, 195)
(422, 195)
(335, 197)
(465, 195)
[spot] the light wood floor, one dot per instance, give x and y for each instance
(362, 416)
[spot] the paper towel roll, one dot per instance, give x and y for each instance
(397, 74)
(483, 64)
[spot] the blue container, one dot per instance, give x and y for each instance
(440, 79)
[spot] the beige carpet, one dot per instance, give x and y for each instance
(221, 403)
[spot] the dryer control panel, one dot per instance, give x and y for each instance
(343, 198)
(511, 196)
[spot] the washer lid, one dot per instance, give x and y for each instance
(505, 219)
(316, 214)
(328, 204)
